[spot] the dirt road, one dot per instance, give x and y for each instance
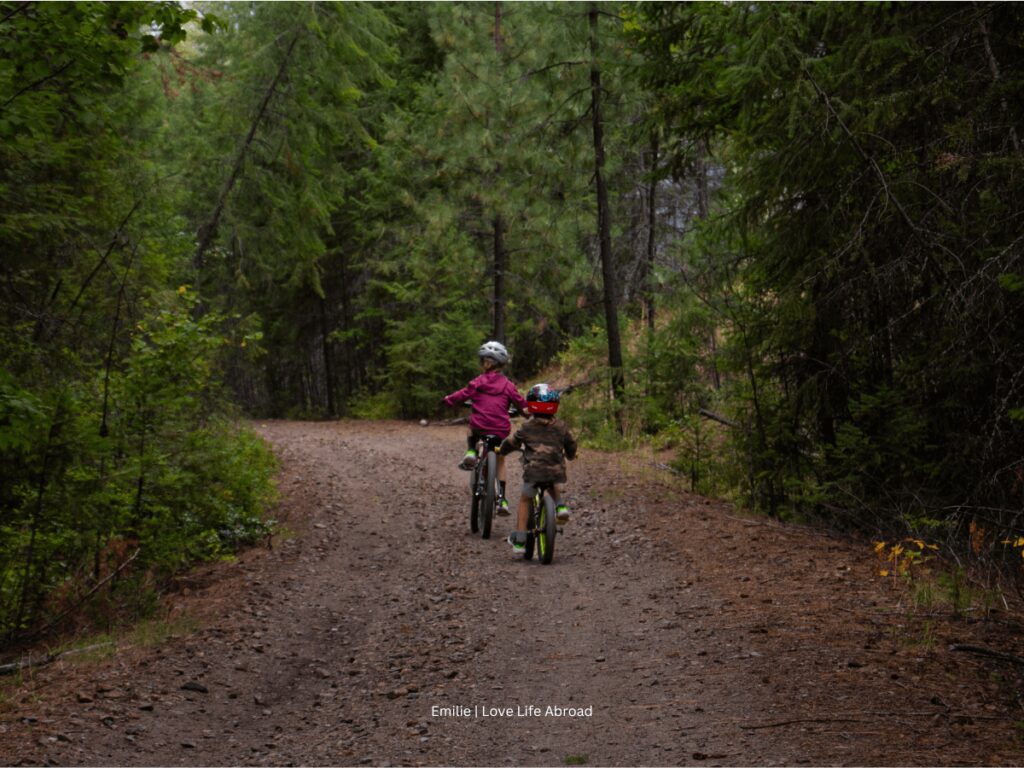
(670, 630)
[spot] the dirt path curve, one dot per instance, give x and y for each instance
(381, 631)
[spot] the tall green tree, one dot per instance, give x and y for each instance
(115, 441)
(866, 244)
(283, 135)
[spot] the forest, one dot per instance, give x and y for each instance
(781, 241)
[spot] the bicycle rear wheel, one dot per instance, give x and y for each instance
(531, 525)
(474, 504)
(490, 495)
(547, 528)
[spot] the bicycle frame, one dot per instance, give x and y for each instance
(541, 526)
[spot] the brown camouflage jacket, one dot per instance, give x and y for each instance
(545, 443)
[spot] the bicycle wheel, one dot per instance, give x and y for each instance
(474, 504)
(547, 528)
(489, 496)
(531, 524)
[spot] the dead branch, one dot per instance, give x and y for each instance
(870, 717)
(716, 417)
(209, 230)
(88, 594)
(801, 720)
(982, 651)
(14, 667)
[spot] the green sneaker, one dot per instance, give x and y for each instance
(518, 541)
(503, 507)
(468, 461)
(562, 514)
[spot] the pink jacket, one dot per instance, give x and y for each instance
(491, 394)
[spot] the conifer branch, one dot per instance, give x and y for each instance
(19, 8)
(915, 228)
(533, 72)
(37, 83)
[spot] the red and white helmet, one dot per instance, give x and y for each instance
(543, 399)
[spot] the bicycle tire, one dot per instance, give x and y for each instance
(474, 503)
(531, 523)
(490, 495)
(547, 530)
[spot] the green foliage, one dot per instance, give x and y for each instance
(122, 461)
(860, 260)
(171, 478)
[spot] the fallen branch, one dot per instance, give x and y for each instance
(87, 595)
(982, 651)
(802, 720)
(871, 717)
(10, 669)
(715, 417)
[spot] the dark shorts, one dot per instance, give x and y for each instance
(493, 442)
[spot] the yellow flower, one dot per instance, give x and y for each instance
(182, 289)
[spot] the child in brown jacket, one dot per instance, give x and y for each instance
(546, 443)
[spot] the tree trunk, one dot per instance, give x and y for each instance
(497, 27)
(758, 462)
(652, 189)
(498, 222)
(604, 222)
(110, 346)
(325, 348)
(703, 210)
(37, 517)
(499, 279)
(993, 66)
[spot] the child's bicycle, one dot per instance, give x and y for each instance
(541, 526)
(483, 483)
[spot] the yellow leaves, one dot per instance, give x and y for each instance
(182, 290)
(901, 557)
(1017, 543)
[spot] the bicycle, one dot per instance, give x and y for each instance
(541, 525)
(483, 483)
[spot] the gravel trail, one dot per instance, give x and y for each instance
(670, 630)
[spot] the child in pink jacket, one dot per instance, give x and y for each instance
(491, 393)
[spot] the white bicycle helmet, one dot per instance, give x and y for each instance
(494, 350)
